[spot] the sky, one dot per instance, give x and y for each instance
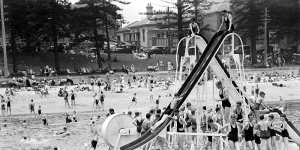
(131, 11)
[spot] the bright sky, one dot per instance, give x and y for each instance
(131, 11)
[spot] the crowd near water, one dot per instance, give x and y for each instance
(256, 129)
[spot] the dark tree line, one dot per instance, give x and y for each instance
(249, 14)
(46, 21)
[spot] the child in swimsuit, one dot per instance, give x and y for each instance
(194, 27)
(227, 20)
(223, 93)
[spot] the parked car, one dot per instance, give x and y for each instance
(157, 50)
(124, 49)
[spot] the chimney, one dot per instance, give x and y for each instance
(149, 10)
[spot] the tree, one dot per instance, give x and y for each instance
(248, 15)
(285, 18)
(59, 22)
(187, 9)
(14, 20)
(95, 14)
(37, 22)
(247, 18)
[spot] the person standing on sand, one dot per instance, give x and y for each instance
(31, 107)
(2, 106)
(73, 99)
(133, 101)
(102, 96)
(151, 94)
(40, 110)
(8, 105)
(157, 102)
(67, 104)
(94, 134)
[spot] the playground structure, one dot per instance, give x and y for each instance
(119, 132)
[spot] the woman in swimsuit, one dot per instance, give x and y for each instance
(233, 134)
(223, 93)
(249, 132)
(138, 122)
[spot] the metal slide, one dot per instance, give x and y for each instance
(236, 94)
(209, 53)
(223, 75)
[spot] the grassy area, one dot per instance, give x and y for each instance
(74, 62)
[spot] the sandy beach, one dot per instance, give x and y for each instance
(53, 106)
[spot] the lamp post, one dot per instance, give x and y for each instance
(6, 72)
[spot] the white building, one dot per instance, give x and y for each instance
(148, 32)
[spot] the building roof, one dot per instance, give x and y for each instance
(143, 22)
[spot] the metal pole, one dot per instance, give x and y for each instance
(168, 32)
(266, 38)
(6, 73)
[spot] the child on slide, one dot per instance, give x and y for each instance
(167, 113)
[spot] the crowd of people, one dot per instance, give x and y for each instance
(272, 76)
(254, 129)
(257, 129)
(6, 101)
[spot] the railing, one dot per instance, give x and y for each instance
(193, 141)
